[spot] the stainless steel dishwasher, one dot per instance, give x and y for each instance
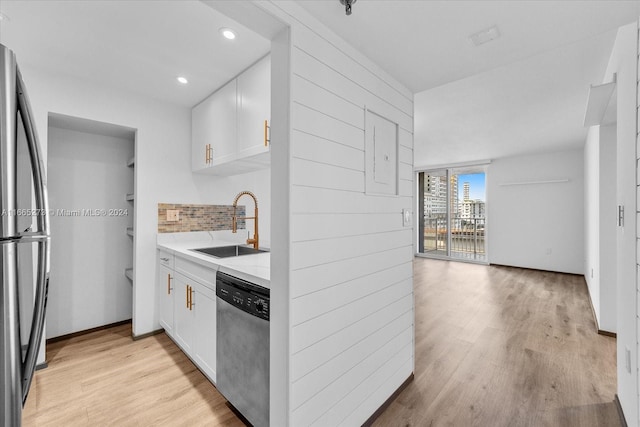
(242, 351)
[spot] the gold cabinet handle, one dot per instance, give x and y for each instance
(190, 298)
(208, 154)
(168, 283)
(187, 288)
(267, 140)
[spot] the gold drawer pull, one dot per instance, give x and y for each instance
(267, 139)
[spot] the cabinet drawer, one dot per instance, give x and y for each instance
(201, 274)
(165, 258)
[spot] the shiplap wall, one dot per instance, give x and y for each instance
(351, 278)
(623, 62)
(638, 210)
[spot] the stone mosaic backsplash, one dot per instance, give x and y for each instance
(198, 218)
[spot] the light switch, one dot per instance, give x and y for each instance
(406, 217)
(173, 215)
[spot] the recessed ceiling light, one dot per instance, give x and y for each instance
(485, 36)
(182, 80)
(228, 33)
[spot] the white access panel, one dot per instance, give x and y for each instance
(381, 152)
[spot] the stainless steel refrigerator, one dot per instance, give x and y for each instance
(24, 241)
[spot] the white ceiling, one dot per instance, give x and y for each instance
(425, 43)
(524, 92)
(531, 106)
(135, 46)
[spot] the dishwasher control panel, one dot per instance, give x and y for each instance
(246, 296)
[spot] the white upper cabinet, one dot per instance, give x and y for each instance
(213, 128)
(229, 135)
(254, 108)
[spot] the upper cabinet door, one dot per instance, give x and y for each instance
(214, 124)
(201, 134)
(254, 107)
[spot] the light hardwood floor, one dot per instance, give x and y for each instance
(107, 379)
(495, 346)
(500, 346)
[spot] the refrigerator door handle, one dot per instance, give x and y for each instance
(40, 190)
(24, 238)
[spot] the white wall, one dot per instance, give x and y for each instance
(623, 62)
(279, 326)
(537, 225)
(163, 165)
(89, 254)
(350, 281)
(600, 223)
(608, 250)
(627, 133)
(592, 217)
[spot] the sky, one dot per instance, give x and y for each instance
(476, 186)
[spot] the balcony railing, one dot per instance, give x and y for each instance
(467, 236)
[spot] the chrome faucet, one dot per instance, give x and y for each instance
(255, 240)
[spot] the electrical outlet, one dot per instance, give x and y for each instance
(592, 273)
(548, 251)
(173, 215)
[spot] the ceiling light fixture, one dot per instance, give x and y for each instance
(228, 33)
(485, 36)
(4, 17)
(182, 80)
(347, 5)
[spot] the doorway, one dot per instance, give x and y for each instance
(91, 182)
(452, 206)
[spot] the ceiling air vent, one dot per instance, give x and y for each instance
(485, 36)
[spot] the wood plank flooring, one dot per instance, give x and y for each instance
(501, 346)
(107, 379)
(495, 346)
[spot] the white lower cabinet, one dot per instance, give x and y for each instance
(166, 295)
(205, 331)
(184, 317)
(187, 312)
(165, 290)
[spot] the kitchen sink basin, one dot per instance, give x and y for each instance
(229, 251)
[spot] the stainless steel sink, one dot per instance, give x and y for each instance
(229, 251)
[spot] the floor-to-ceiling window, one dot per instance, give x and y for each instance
(452, 209)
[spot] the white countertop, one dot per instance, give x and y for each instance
(252, 268)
